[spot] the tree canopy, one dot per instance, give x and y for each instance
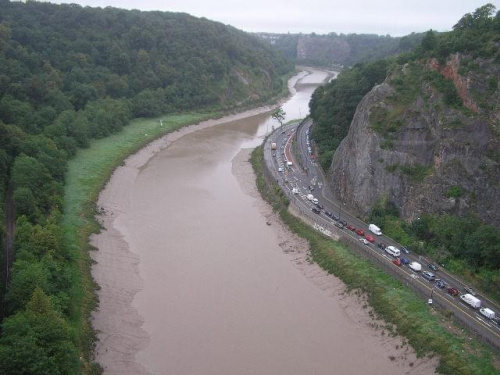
(70, 74)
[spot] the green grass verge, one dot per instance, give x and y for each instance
(87, 174)
(404, 312)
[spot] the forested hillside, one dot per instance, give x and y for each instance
(68, 75)
(340, 49)
(416, 139)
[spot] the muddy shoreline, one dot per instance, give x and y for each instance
(116, 322)
(119, 326)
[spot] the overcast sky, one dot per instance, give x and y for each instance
(393, 17)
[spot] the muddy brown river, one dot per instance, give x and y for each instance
(194, 281)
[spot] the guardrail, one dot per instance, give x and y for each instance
(301, 209)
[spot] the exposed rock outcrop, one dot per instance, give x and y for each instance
(435, 158)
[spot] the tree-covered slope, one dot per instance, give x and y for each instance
(340, 49)
(421, 141)
(68, 75)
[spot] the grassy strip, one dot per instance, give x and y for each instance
(405, 312)
(87, 174)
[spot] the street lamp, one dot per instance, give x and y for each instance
(340, 187)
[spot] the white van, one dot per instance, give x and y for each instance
(490, 314)
(391, 250)
(374, 229)
(415, 266)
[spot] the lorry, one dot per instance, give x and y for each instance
(415, 266)
(374, 229)
(273, 146)
(490, 314)
(471, 300)
(391, 250)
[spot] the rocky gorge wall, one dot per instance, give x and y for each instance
(438, 159)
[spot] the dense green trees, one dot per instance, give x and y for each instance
(68, 75)
(465, 243)
(333, 105)
(340, 49)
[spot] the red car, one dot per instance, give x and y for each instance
(397, 262)
(360, 232)
(370, 238)
(351, 227)
(453, 291)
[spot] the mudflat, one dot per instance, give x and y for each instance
(194, 280)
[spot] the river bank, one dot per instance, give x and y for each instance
(117, 324)
(122, 330)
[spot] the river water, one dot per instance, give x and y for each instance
(218, 296)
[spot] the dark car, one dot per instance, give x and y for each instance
(440, 283)
(343, 222)
(469, 290)
(453, 291)
(405, 249)
(335, 217)
(428, 275)
(405, 261)
(381, 245)
(432, 267)
(360, 232)
(328, 213)
(320, 206)
(315, 210)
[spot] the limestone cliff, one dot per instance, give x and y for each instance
(428, 140)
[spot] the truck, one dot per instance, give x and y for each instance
(273, 146)
(374, 229)
(490, 314)
(471, 300)
(415, 266)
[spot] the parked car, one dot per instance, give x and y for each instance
(381, 245)
(405, 261)
(315, 210)
(328, 213)
(453, 291)
(339, 225)
(320, 206)
(428, 275)
(351, 227)
(432, 267)
(343, 222)
(370, 238)
(469, 290)
(405, 249)
(335, 217)
(397, 261)
(360, 232)
(365, 241)
(440, 283)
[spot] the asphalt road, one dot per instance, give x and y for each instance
(302, 175)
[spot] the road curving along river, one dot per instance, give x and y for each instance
(194, 280)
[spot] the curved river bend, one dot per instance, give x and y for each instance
(205, 286)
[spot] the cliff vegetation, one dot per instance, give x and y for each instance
(420, 152)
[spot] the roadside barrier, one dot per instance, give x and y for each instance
(422, 287)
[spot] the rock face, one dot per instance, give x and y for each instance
(434, 158)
